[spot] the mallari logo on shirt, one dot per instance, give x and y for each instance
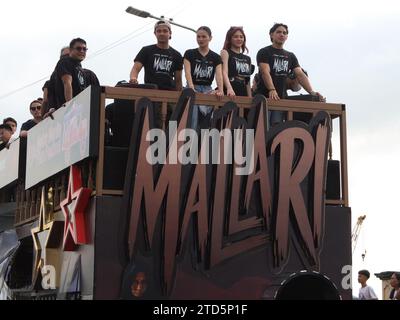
(281, 65)
(162, 64)
(242, 67)
(205, 72)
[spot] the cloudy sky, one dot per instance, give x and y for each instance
(349, 49)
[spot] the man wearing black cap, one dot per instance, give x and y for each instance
(162, 64)
(366, 292)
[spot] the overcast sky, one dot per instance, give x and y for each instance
(349, 49)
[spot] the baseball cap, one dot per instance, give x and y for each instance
(162, 23)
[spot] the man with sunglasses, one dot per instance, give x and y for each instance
(70, 76)
(36, 111)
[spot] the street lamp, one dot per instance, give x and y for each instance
(144, 14)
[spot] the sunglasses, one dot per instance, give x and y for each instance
(81, 49)
(36, 108)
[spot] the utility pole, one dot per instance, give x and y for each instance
(145, 14)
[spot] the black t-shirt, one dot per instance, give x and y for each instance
(90, 78)
(28, 125)
(280, 63)
(73, 68)
(239, 65)
(50, 85)
(202, 68)
(160, 65)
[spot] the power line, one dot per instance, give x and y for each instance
(97, 53)
(108, 47)
(23, 88)
(128, 37)
(120, 41)
(100, 52)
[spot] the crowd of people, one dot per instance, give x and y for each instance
(67, 80)
(366, 292)
(278, 71)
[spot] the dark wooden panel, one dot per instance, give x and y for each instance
(109, 240)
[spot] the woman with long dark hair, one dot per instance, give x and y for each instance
(236, 67)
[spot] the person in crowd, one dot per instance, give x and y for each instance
(70, 76)
(1, 132)
(366, 292)
(237, 67)
(202, 65)
(395, 283)
(162, 64)
(275, 64)
(12, 123)
(5, 135)
(49, 87)
(35, 108)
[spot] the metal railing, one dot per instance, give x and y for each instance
(28, 201)
(336, 111)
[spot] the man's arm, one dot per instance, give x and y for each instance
(305, 83)
(178, 80)
(266, 76)
(137, 66)
(67, 82)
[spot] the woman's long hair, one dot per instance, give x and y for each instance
(229, 35)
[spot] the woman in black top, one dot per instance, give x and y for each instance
(236, 67)
(202, 65)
